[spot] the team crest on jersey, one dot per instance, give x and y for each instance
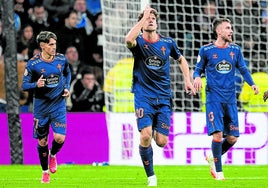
(59, 67)
(154, 61)
(224, 67)
(163, 49)
(232, 55)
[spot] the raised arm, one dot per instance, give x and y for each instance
(130, 38)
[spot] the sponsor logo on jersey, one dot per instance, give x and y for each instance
(165, 126)
(58, 124)
(154, 61)
(224, 67)
(52, 80)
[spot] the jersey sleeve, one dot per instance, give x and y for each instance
(27, 81)
(175, 52)
(243, 69)
(200, 63)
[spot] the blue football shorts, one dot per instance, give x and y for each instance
(42, 124)
(222, 117)
(153, 112)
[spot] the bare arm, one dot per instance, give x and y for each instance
(186, 74)
(136, 29)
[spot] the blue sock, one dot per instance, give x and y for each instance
(147, 159)
(225, 146)
(217, 151)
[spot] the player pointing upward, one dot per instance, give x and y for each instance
(151, 84)
(218, 61)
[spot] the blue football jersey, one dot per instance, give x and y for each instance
(219, 65)
(151, 70)
(57, 77)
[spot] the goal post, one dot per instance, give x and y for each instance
(118, 18)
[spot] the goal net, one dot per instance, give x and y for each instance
(189, 23)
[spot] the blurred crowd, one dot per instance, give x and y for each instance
(78, 26)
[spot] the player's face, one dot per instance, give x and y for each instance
(226, 31)
(49, 48)
(150, 24)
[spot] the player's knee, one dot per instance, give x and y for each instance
(43, 141)
(59, 138)
(161, 144)
(217, 136)
(41, 132)
(146, 139)
(146, 136)
(161, 141)
(232, 140)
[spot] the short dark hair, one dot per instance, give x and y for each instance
(217, 22)
(45, 36)
(154, 12)
(87, 70)
(68, 13)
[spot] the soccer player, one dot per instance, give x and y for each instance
(265, 96)
(218, 61)
(151, 84)
(48, 75)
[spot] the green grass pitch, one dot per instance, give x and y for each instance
(29, 176)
